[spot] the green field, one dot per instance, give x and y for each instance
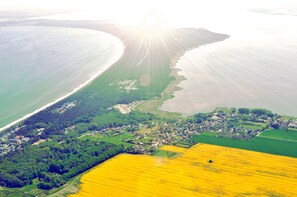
(164, 153)
(253, 125)
(290, 134)
(118, 139)
(261, 144)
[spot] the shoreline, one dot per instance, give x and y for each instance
(105, 67)
(153, 105)
(173, 85)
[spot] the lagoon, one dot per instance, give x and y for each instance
(256, 67)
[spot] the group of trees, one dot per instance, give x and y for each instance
(53, 163)
(256, 112)
(200, 117)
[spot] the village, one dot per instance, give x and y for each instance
(180, 132)
(11, 142)
(146, 137)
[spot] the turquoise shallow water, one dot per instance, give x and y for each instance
(41, 64)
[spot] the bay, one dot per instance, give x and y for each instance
(256, 67)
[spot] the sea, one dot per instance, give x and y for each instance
(40, 65)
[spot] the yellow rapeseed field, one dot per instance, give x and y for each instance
(232, 172)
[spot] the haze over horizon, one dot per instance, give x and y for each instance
(85, 83)
(179, 13)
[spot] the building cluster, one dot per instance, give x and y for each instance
(65, 107)
(293, 124)
(127, 108)
(10, 142)
(231, 125)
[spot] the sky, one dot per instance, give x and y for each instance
(137, 4)
(167, 11)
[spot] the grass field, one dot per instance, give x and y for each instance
(115, 139)
(164, 153)
(232, 172)
(291, 134)
(30, 191)
(175, 149)
(169, 151)
(261, 144)
(253, 125)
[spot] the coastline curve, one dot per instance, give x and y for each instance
(120, 51)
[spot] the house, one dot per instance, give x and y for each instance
(14, 141)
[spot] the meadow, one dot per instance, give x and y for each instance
(261, 144)
(290, 134)
(164, 153)
(202, 170)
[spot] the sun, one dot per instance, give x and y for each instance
(151, 21)
(151, 27)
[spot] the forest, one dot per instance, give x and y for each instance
(53, 163)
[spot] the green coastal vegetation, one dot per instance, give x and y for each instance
(48, 152)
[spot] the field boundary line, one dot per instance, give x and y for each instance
(277, 138)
